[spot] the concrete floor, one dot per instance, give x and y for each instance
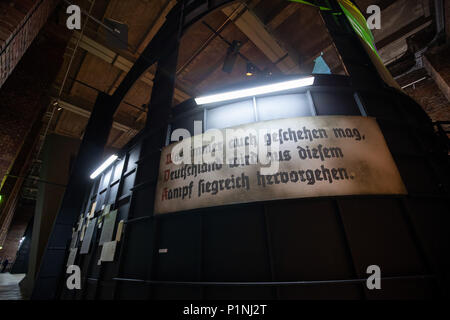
(9, 286)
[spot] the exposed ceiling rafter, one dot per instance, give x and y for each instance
(69, 106)
(156, 25)
(120, 62)
(263, 39)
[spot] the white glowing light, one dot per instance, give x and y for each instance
(104, 165)
(250, 92)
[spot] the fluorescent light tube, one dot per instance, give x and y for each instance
(250, 92)
(104, 165)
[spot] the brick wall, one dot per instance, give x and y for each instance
(429, 96)
(20, 22)
(21, 96)
(432, 100)
(427, 92)
(23, 101)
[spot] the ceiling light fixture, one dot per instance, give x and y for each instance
(250, 92)
(104, 165)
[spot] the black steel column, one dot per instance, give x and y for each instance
(153, 140)
(164, 82)
(90, 155)
(355, 58)
(158, 117)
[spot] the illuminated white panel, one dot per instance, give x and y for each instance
(283, 106)
(230, 115)
(255, 91)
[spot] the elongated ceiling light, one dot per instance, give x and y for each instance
(250, 92)
(104, 165)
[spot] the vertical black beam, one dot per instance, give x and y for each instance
(157, 48)
(356, 60)
(160, 110)
(163, 87)
(89, 156)
(165, 47)
(123, 238)
(270, 259)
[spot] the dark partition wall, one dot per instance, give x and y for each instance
(22, 258)
(291, 249)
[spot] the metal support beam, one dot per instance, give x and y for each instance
(163, 89)
(356, 60)
(90, 154)
(157, 119)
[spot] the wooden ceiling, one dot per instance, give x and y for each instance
(277, 35)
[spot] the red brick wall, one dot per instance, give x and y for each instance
(23, 99)
(427, 92)
(432, 100)
(20, 96)
(20, 22)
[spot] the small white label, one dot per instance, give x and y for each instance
(162, 250)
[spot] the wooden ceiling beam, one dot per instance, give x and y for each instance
(397, 45)
(282, 15)
(156, 26)
(116, 83)
(264, 40)
(125, 136)
(66, 105)
(120, 62)
(406, 31)
(437, 77)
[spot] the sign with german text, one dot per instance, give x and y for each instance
(278, 159)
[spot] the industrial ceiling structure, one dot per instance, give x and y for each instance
(236, 44)
(275, 36)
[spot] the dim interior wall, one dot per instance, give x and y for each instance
(431, 98)
(447, 20)
(24, 212)
(189, 254)
(22, 91)
(57, 154)
(24, 98)
(20, 265)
